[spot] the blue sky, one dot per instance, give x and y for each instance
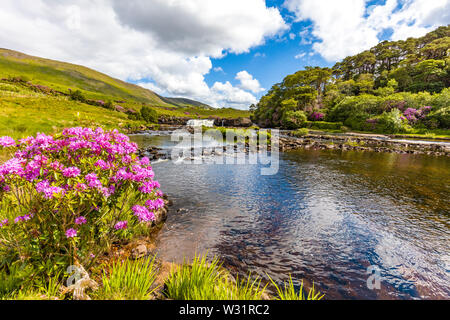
(276, 58)
(288, 53)
(226, 53)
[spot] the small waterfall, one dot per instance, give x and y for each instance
(199, 123)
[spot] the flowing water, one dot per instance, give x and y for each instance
(326, 217)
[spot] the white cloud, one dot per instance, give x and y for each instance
(202, 26)
(346, 27)
(300, 55)
(218, 69)
(247, 82)
(305, 36)
(292, 36)
(153, 87)
(259, 54)
(226, 94)
(171, 43)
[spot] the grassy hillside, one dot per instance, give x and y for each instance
(183, 102)
(61, 76)
(26, 110)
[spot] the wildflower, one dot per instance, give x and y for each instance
(143, 214)
(144, 161)
(81, 187)
(80, 220)
(149, 186)
(71, 172)
(7, 142)
(23, 218)
(155, 204)
(4, 223)
(103, 164)
(93, 181)
(71, 233)
(126, 159)
(51, 191)
(121, 225)
(317, 116)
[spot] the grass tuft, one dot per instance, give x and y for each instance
(129, 280)
(208, 281)
(289, 292)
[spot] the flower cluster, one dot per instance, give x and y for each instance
(316, 116)
(121, 225)
(7, 142)
(414, 115)
(4, 223)
(86, 180)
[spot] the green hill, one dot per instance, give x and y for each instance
(63, 76)
(183, 102)
(35, 97)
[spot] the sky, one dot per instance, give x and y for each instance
(226, 53)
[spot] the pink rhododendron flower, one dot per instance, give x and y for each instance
(80, 220)
(121, 225)
(143, 213)
(71, 172)
(155, 204)
(4, 223)
(93, 181)
(23, 218)
(106, 169)
(144, 161)
(71, 233)
(7, 142)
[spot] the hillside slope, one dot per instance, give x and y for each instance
(63, 76)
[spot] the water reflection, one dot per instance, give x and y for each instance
(325, 217)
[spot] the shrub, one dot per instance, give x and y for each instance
(69, 196)
(149, 115)
(440, 117)
(322, 125)
(316, 116)
(392, 122)
(293, 119)
(351, 105)
(300, 132)
(108, 105)
(357, 121)
(77, 96)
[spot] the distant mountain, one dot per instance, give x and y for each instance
(95, 85)
(183, 102)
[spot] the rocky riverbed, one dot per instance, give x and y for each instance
(363, 143)
(319, 141)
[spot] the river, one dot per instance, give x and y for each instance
(345, 220)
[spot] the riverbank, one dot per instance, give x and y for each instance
(327, 141)
(366, 142)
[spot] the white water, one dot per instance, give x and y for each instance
(199, 123)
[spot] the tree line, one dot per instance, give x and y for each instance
(358, 90)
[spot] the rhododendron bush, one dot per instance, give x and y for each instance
(69, 196)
